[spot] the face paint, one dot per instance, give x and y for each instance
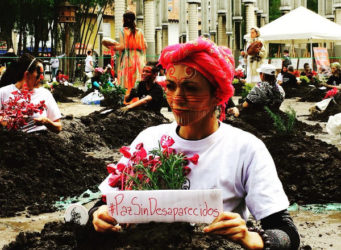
(189, 95)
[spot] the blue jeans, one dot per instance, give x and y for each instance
(54, 72)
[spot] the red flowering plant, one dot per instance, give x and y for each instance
(162, 168)
(239, 73)
(15, 112)
(331, 93)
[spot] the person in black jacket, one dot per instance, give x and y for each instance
(289, 79)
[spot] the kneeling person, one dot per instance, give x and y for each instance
(150, 94)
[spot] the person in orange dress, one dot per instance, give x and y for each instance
(132, 48)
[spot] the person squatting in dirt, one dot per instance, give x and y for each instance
(308, 72)
(266, 93)
(335, 78)
(150, 93)
(199, 78)
(27, 74)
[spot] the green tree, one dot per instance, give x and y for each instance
(312, 5)
(274, 11)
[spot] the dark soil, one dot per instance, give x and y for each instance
(238, 88)
(37, 169)
(309, 169)
(311, 94)
(143, 236)
(113, 129)
(333, 108)
(62, 92)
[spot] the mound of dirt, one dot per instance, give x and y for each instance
(312, 95)
(108, 129)
(37, 169)
(309, 169)
(333, 108)
(141, 236)
(62, 92)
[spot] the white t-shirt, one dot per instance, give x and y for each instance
(279, 77)
(52, 111)
(229, 159)
(88, 66)
(54, 63)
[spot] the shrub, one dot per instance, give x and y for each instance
(246, 89)
(282, 127)
(113, 96)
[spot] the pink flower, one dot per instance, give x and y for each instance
(141, 154)
(194, 159)
(166, 141)
(168, 151)
(125, 152)
(331, 93)
(111, 168)
(139, 146)
(113, 180)
(120, 167)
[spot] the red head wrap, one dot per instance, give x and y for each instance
(215, 63)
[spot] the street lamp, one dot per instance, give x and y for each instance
(67, 12)
(67, 15)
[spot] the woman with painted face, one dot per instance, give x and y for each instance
(148, 92)
(28, 74)
(199, 78)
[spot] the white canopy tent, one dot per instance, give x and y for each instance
(300, 26)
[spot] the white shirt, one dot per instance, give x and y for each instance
(52, 111)
(229, 159)
(88, 66)
(54, 63)
(160, 78)
(279, 77)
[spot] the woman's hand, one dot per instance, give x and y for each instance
(109, 43)
(233, 111)
(234, 227)
(3, 122)
(103, 222)
(54, 126)
(40, 121)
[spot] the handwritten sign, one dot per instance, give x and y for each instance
(196, 206)
(294, 62)
(302, 61)
(277, 62)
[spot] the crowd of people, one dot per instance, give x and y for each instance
(195, 78)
